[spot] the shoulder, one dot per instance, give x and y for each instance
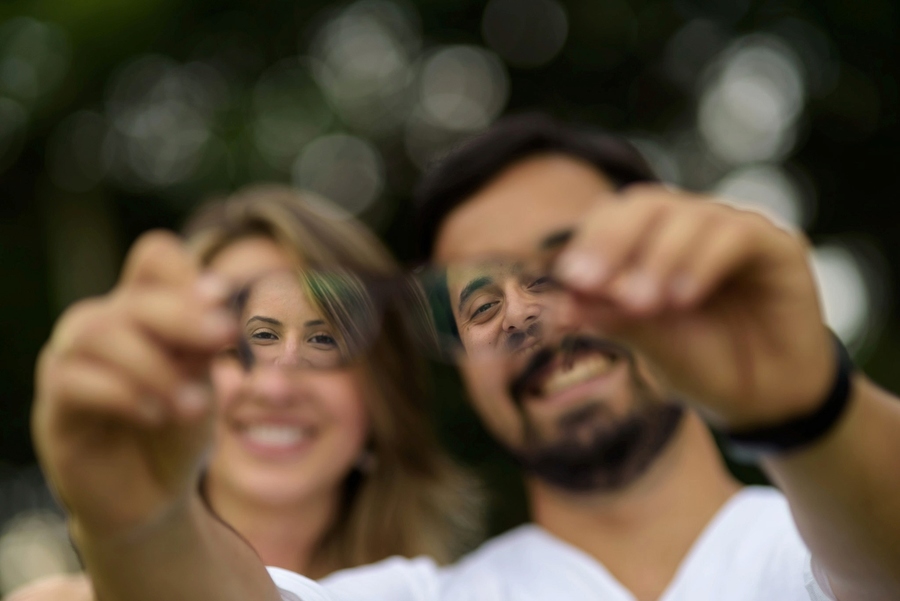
(757, 515)
(393, 579)
(510, 552)
(752, 539)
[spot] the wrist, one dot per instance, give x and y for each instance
(99, 534)
(799, 430)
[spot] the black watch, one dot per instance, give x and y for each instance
(751, 445)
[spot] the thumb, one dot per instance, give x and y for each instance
(666, 341)
(181, 447)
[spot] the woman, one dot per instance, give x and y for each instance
(320, 469)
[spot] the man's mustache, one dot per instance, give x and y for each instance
(517, 340)
(568, 348)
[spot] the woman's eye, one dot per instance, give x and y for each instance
(263, 336)
(323, 339)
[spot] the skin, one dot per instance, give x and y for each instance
(722, 304)
(281, 500)
(121, 427)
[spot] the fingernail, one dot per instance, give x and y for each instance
(581, 269)
(218, 324)
(211, 288)
(192, 399)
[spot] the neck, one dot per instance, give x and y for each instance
(284, 534)
(642, 533)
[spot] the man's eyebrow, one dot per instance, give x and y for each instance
(557, 239)
(269, 320)
(471, 288)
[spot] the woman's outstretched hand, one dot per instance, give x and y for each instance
(121, 417)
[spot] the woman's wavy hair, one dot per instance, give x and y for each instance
(415, 500)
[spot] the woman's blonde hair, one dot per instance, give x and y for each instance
(415, 500)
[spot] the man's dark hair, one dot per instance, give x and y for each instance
(469, 167)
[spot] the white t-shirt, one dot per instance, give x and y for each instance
(750, 551)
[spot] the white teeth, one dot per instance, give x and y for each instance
(583, 370)
(275, 436)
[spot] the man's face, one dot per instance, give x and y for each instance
(499, 305)
(582, 412)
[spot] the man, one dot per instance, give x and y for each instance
(668, 302)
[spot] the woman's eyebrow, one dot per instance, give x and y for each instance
(314, 322)
(268, 320)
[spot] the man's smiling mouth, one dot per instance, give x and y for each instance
(582, 369)
(574, 361)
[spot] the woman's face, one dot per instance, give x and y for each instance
(288, 431)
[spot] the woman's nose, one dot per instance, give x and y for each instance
(289, 355)
(272, 385)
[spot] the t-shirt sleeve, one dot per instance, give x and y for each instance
(294, 587)
(817, 584)
(394, 579)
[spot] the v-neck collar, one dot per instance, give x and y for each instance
(695, 558)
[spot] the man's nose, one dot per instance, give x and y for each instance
(522, 310)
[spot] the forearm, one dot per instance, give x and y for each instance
(844, 492)
(188, 557)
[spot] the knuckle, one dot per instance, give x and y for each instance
(74, 325)
(154, 243)
(89, 332)
(158, 255)
(62, 381)
(645, 190)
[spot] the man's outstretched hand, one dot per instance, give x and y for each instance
(722, 301)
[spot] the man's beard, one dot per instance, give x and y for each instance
(595, 451)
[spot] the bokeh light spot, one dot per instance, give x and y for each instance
(526, 33)
(33, 545)
(34, 58)
(845, 292)
(749, 108)
(463, 88)
(363, 60)
(770, 190)
(342, 168)
(162, 115)
(289, 111)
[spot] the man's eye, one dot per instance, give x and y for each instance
(542, 283)
(485, 307)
